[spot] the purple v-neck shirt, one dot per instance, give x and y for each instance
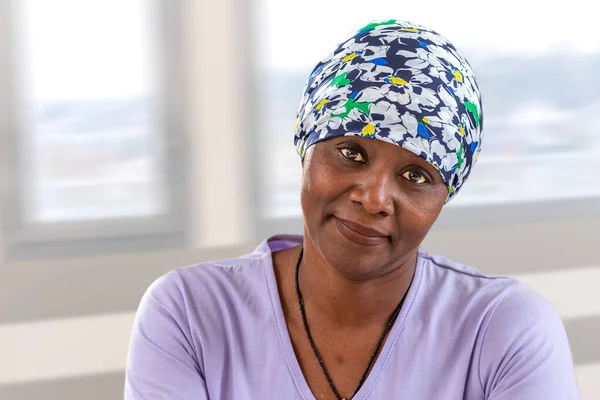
(217, 331)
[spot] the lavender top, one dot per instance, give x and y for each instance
(217, 331)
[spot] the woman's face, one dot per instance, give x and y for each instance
(368, 204)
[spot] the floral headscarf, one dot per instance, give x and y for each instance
(401, 83)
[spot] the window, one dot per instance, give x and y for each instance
(94, 121)
(541, 100)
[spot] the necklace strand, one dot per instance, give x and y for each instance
(316, 351)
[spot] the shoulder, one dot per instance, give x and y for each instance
(463, 282)
(520, 345)
(524, 351)
(525, 319)
(505, 299)
(220, 287)
(202, 282)
(502, 308)
(445, 265)
(521, 303)
(179, 316)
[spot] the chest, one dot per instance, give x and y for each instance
(342, 360)
(268, 362)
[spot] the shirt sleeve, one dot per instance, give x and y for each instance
(162, 362)
(525, 353)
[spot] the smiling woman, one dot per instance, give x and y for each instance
(388, 131)
(369, 200)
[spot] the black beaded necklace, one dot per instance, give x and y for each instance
(318, 355)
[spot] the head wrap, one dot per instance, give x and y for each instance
(401, 83)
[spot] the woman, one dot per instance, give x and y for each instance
(389, 127)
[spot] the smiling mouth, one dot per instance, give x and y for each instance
(360, 234)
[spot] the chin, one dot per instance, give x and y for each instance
(354, 260)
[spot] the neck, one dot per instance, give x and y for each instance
(343, 302)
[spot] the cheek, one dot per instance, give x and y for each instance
(419, 216)
(314, 186)
(319, 186)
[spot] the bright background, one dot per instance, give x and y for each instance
(137, 136)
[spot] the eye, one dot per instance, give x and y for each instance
(415, 176)
(352, 154)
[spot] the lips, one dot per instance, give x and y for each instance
(360, 234)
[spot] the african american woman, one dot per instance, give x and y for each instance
(388, 130)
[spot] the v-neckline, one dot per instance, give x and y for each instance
(286, 341)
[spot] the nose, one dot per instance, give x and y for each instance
(375, 192)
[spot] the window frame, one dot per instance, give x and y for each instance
(22, 240)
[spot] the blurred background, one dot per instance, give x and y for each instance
(138, 136)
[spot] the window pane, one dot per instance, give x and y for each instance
(88, 86)
(541, 100)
